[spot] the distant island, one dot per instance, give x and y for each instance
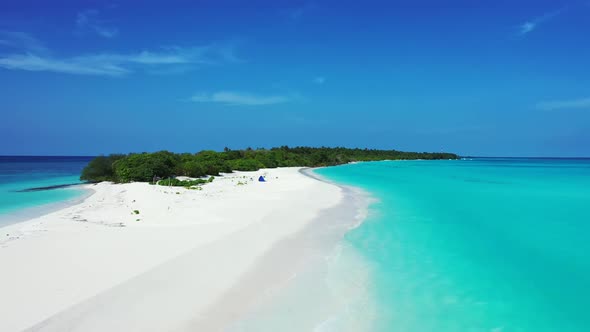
(146, 167)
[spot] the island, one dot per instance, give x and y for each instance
(146, 167)
(224, 234)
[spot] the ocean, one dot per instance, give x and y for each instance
(488, 244)
(20, 174)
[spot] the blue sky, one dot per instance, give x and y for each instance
(504, 78)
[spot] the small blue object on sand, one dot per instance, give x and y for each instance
(261, 179)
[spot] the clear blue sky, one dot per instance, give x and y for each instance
(503, 78)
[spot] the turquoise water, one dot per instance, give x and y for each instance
(475, 245)
(21, 173)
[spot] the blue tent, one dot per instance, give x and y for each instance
(261, 179)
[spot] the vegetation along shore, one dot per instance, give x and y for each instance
(145, 167)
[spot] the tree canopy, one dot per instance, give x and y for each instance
(145, 167)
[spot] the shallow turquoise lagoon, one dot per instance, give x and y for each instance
(17, 174)
(475, 245)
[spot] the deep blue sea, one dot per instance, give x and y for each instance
(488, 244)
(22, 173)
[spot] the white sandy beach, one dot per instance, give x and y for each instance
(190, 260)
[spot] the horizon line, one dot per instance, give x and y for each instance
(461, 156)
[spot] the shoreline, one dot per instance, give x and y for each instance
(244, 262)
(33, 212)
(366, 197)
(279, 268)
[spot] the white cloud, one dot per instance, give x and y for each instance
(118, 64)
(30, 62)
(527, 27)
(238, 98)
(582, 103)
(21, 40)
(531, 25)
(319, 80)
(89, 20)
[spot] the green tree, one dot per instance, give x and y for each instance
(100, 168)
(246, 165)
